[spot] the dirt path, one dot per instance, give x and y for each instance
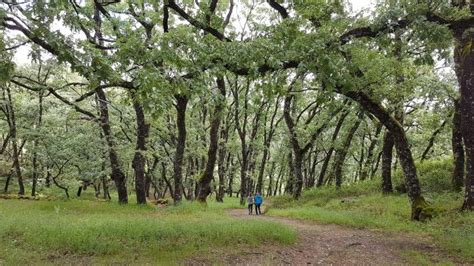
(332, 244)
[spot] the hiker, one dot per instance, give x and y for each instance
(250, 202)
(258, 201)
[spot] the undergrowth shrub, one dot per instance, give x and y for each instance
(435, 175)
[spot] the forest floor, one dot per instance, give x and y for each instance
(334, 244)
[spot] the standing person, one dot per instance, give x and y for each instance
(250, 202)
(258, 202)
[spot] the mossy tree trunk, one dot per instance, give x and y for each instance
(402, 146)
(139, 158)
(464, 68)
(458, 149)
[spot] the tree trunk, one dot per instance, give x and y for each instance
(458, 149)
(208, 175)
(231, 178)
(270, 183)
(424, 156)
(117, 174)
(223, 163)
(35, 145)
(243, 175)
(138, 162)
(181, 104)
(298, 174)
(48, 177)
(14, 140)
(464, 68)
(387, 155)
(370, 153)
(7, 182)
(267, 139)
(418, 202)
(341, 152)
(261, 170)
(290, 182)
(221, 170)
(325, 165)
(312, 170)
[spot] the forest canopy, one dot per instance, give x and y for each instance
(191, 98)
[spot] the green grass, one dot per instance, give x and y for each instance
(361, 206)
(84, 231)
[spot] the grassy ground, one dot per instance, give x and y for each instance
(87, 231)
(362, 206)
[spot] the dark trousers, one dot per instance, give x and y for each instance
(257, 209)
(251, 208)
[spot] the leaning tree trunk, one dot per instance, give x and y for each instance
(464, 68)
(181, 104)
(458, 149)
(138, 162)
(418, 203)
(208, 175)
(341, 152)
(431, 141)
(117, 174)
(325, 165)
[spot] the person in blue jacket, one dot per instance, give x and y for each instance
(258, 203)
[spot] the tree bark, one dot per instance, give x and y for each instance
(267, 140)
(387, 156)
(464, 68)
(245, 147)
(458, 149)
(370, 153)
(418, 202)
(223, 163)
(290, 182)
(117, 174)
(341, 152)
(270, 183)
(35, 145)
(231, 178)
(14, 140)
(208, 175)
(181, 104)
(424, 156)
(325, 165)
(138, 162)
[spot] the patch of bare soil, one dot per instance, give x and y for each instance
(331, 244)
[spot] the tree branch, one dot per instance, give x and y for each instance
(283, 12)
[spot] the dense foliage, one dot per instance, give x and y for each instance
(189, 98)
